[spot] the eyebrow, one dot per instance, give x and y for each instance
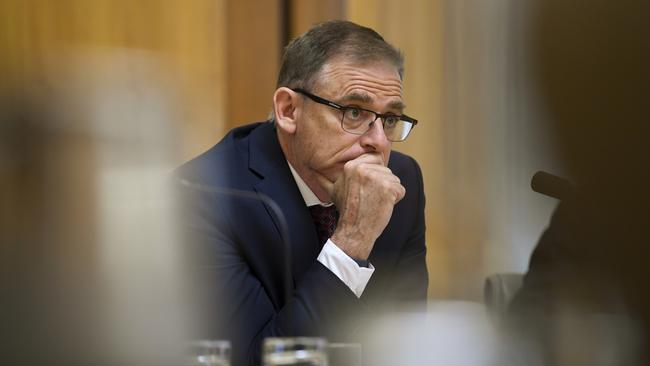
(367, 99)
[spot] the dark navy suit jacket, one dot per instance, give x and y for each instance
(241, 261)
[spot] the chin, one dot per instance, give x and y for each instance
(334, 174)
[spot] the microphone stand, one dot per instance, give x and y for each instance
(284, 232)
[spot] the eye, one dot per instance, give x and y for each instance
(390, 121)
(354, 113)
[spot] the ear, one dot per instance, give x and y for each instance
(285, 103)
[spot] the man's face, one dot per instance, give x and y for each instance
(319, 145)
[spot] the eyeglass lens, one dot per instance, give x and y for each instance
(358, 121)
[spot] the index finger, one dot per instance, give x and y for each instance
(370, 158)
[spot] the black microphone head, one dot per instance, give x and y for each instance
(551, 185)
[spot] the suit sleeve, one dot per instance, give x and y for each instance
(232, 301)
(410, 278)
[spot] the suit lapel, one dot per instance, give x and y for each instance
(267, 160)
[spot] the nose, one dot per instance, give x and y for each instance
(374, 140)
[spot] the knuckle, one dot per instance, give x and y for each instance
(348, 167)
(364, 172)
(402, 192)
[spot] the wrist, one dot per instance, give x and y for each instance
(354, 249)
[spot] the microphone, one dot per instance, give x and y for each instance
(277, 212)
(551, 185)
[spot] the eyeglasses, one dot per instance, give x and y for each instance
(356, 120)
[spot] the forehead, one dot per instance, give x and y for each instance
(378, 79)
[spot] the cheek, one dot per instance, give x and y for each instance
(317, 137)
(303, 148)
(323, 146)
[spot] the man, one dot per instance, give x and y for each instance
(354, 210)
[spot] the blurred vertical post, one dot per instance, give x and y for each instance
(90, 258)
(91, 103)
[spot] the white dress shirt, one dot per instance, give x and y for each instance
(331, 256)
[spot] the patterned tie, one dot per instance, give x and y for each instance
(325, 219)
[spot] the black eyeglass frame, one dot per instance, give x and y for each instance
(343, 109)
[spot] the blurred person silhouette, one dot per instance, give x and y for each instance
(354, 208)
(89, 271)
(586, 296)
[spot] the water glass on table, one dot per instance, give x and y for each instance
(297, 351)
(208, 353)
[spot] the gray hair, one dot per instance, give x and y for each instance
(305, 56)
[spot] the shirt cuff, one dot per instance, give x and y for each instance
(345, 268)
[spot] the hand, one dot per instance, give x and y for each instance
(365, 195)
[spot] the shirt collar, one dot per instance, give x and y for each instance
(307, 194)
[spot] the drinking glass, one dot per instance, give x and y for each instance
(208, 353)
(298, 351)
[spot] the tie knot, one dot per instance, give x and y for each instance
(325, 219)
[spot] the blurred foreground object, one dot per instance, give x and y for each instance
(296, 351)
(89, 268)
(451, 333)
(586, 298)
(208, 353)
